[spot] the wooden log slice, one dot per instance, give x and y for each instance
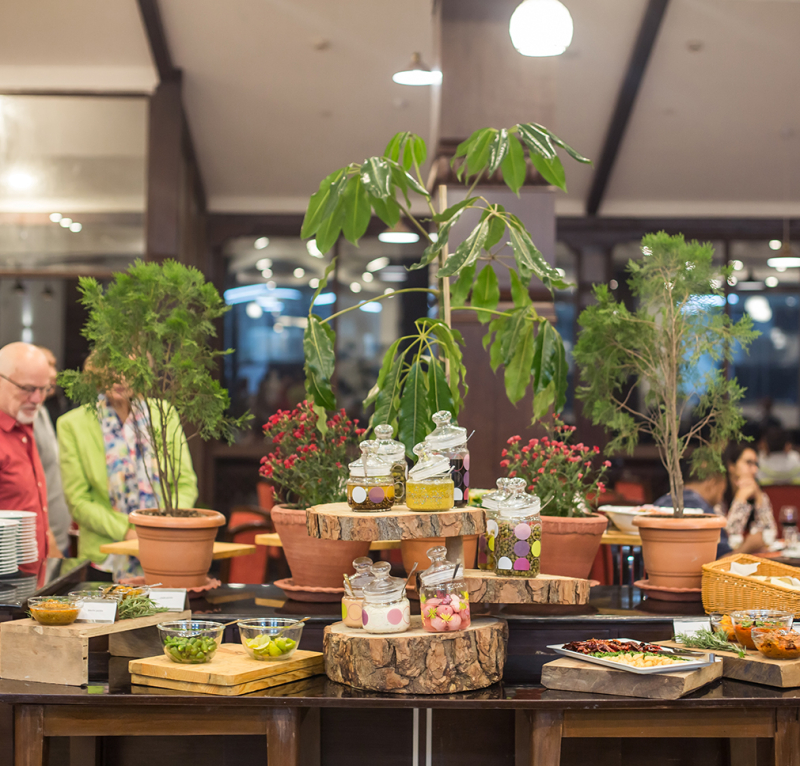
(335, 521)
(417, 662)
(489, 588)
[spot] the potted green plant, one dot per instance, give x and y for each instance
(424, 372)
(306, 470)
(563, 476)
(674, 346)
(149, 330)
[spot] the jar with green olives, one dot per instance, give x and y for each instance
(518, 544)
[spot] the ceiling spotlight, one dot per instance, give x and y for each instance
(378, 263)
(299, 273)
(75, 227)
(355, 287)
(20, 180)
(254, 311)
(398, 234)
(774, 244)
(540, 28)
(261, 243)
(65, 223)
(313, 283)
(737, 265)
(266, 273)
(418, 73)
(312, 248)
(367, 277)
(55, 217)
(771, 281)
(263, 263)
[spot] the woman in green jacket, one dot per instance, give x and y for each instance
(108, 470)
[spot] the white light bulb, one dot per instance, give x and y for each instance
(65, 223)
(55, 217)
(299, 273)
(355, 287)
(254, 311)
(20, 180)
(378, 263)
(75, 227)
(771, 281)
(313, 283)
(263, 263)
(541, 28)
(388, 291)
(266, 273)
(398, 237)
(312, 248)
(367, 277)
(261, 243)
(775, 244)
(737, 265)
(271, 285)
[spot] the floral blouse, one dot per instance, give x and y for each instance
(762, 521)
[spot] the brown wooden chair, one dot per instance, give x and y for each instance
(245, 523)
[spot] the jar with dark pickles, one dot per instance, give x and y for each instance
(370, 488)
(394, 452)
(451, 441)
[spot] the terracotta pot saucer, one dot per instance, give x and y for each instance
(669, 594)
(309, 592)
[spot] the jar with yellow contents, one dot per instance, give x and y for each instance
(370, 488)
(429, 486)
(394, 452)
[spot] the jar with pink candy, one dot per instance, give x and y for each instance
(443, 595)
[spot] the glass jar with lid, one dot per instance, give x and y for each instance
(353, 600)
(386, 608)
(518, 543)
(486, 541)
(370, 487)
(394, 452)
(451, 441)
(443, 595)
(429, 486)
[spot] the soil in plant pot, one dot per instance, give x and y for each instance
(178, 513)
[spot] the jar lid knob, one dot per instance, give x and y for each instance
(442, 417)
(381, 569)
(437, 553)
(362, 563)
(384, 431)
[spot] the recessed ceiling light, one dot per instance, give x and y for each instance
(378, 263)
(254, 311)
(737, 265)
(312, 248)
(20, 180)
(313, 283)
(75, 227)
(299, 273)
(261, 243)
(55, 217)
(771, 281)
(266, 273)
(775, 244)
(367, 277)
(263, 263)
(540, 28)
(65, 223)
(355, 287)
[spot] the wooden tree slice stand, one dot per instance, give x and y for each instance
(417, 662)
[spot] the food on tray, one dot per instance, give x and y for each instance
(263, 646)
(52, 610)
(632, 653)
(191, 649)
(745, 621)
(644, 660)
(777, 644)
(722, 623)
(125, 591)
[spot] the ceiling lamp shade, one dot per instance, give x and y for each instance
(399, 234)
(418, 74)
(541, 28)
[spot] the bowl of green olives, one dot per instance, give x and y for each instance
(270, 638)
(190, 641)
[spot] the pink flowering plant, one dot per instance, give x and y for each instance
(561, 474)
(305, 468)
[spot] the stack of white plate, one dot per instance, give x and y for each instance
(9, 548)
(24, 586)
(27, 547)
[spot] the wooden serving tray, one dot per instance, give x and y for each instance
(231, 672)
(576, 676)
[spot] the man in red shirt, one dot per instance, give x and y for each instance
(24, 383)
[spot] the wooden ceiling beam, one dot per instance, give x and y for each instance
(648, 31)
(157, 39)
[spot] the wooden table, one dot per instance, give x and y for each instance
(274, 539)
(221, 550)
(623, 540)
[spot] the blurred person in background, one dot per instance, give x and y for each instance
(47, 445)
(25, 379)
(778, 463)
(751, 524)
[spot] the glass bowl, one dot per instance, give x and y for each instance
(722, 623)
(261, 640)
(54, 610)
(777, 643)
(190, 642)
(744, 621)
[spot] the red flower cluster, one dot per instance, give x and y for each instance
(555, 469)
(304, 467)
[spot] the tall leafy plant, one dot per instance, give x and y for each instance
(679, 322)
(424, 372)
(150, 330)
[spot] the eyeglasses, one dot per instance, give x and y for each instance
(29, 390)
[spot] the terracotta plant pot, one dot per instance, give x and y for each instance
(176, 551)
(417, 550)
(675, 550)
(316, 563)
(570, 544)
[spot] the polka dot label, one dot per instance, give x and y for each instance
(395, 616)
(354, 612)
(364, 617)
(522, 531)
(522, 565)
(504, 563)
(376, 495)
(521, 548)
(360, 494)
(344, 611)
(457, 494)
(466, 462)
(491, 528)
(536, 548)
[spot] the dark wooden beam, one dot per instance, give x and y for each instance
(648, 31)
(154, 27)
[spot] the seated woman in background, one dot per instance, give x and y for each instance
(778, 462)
(106, 469)
(751, 525)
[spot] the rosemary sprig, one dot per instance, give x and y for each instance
(138, 606)
(706, 639)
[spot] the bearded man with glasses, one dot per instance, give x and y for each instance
(24, 384)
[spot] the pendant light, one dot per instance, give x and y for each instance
(399, 234)
(541, 28)
(418, 73)
(786, 257)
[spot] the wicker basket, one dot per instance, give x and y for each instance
(727, 592)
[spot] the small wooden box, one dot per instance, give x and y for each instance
(59, 654)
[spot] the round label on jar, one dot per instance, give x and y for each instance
(504, 562)
(521, 548)
(395, 616)
(522, 531)
(359, 495)
(522, 565)
(536, 548)
(491, 528)
(457, 494)
(376, 495)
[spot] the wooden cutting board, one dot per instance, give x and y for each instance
(231, 672)
(757, 669)
(577, 676)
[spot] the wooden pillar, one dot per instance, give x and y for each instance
(29, 741)
(283, 736)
